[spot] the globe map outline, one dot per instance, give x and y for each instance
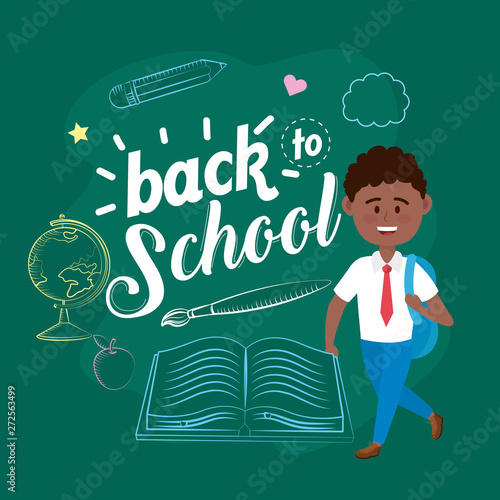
(69, 263)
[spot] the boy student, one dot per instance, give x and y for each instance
(386, 196)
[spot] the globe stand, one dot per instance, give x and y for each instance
(64, 330)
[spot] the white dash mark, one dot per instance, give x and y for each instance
(163, 135)
(118, 142)
(106, 173)
(263, 124)
(290, 173)
(106, 209)
(206, 129)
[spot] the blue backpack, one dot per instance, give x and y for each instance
(425, 331)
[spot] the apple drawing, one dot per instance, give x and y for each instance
(113, 366)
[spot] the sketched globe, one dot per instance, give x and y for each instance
(69, 264)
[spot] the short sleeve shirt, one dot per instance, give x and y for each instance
(364, 279)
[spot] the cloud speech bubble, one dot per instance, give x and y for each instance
(376, 99)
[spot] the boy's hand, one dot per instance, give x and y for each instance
(413, 301)
(332, 349)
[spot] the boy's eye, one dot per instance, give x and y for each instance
(397, 210)
(377, 209)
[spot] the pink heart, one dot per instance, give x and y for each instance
(294, 86)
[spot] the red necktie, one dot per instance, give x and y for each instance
(386, 307)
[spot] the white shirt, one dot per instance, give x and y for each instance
(365, 279)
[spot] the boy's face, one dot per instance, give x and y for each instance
(388, 214)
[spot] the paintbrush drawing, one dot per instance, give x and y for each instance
(252, 300)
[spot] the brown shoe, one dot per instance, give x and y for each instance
(372, 451)
(437, 425)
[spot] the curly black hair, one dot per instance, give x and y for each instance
(383, 165)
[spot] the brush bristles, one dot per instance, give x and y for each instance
(175, 317)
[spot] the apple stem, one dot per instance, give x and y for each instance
(111, 345)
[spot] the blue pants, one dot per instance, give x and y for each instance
(387, 365)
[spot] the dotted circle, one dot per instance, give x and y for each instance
(302, 120)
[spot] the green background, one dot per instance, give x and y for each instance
(66, 421)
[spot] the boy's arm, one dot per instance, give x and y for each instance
(335, 310)
(436, 311)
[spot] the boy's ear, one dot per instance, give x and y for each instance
(347, 205)
(427, 204)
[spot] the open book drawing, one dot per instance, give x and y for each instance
(215, 389)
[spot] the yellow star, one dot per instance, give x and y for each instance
(79, 133)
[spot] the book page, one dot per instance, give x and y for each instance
(292, 388)
(198, 386)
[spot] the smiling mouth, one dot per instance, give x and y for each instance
(387, 230)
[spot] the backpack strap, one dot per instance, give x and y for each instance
(408, 280)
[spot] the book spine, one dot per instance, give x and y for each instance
(245, 382)
(245, 430)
